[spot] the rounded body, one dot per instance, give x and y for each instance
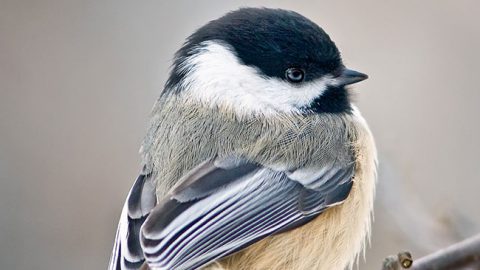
(185, 133)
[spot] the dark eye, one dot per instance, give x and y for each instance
(295, 75)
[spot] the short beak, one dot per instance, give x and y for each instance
(349, 76)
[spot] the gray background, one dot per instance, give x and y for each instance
(79, 78)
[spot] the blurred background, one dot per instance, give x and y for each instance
(78, 80)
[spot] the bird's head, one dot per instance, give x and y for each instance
(263, 61)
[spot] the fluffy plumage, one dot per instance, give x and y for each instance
(283, 172)
(290, 139)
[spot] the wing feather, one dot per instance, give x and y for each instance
(127, 252)
(224, 205)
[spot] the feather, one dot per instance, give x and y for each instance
(224, 205)
(127, 252)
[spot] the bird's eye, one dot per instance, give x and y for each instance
(295, 75)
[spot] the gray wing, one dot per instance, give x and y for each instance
(223, 206)
(127, 252)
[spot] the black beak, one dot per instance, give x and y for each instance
(349, 76)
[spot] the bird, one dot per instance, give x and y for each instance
(256, 156)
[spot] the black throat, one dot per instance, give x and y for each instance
(333, 100)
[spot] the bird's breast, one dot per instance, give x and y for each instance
(334, 239)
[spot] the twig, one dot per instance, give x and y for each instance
(462, 255)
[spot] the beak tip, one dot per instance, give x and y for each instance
(349, 76)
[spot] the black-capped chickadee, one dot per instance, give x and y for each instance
(255, 158)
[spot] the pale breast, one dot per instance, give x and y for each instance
(183, 135)
(331, 241)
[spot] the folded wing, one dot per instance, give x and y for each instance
(224, 205)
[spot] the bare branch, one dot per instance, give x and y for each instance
(462, 255)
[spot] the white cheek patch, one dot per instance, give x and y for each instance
(217, 78)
